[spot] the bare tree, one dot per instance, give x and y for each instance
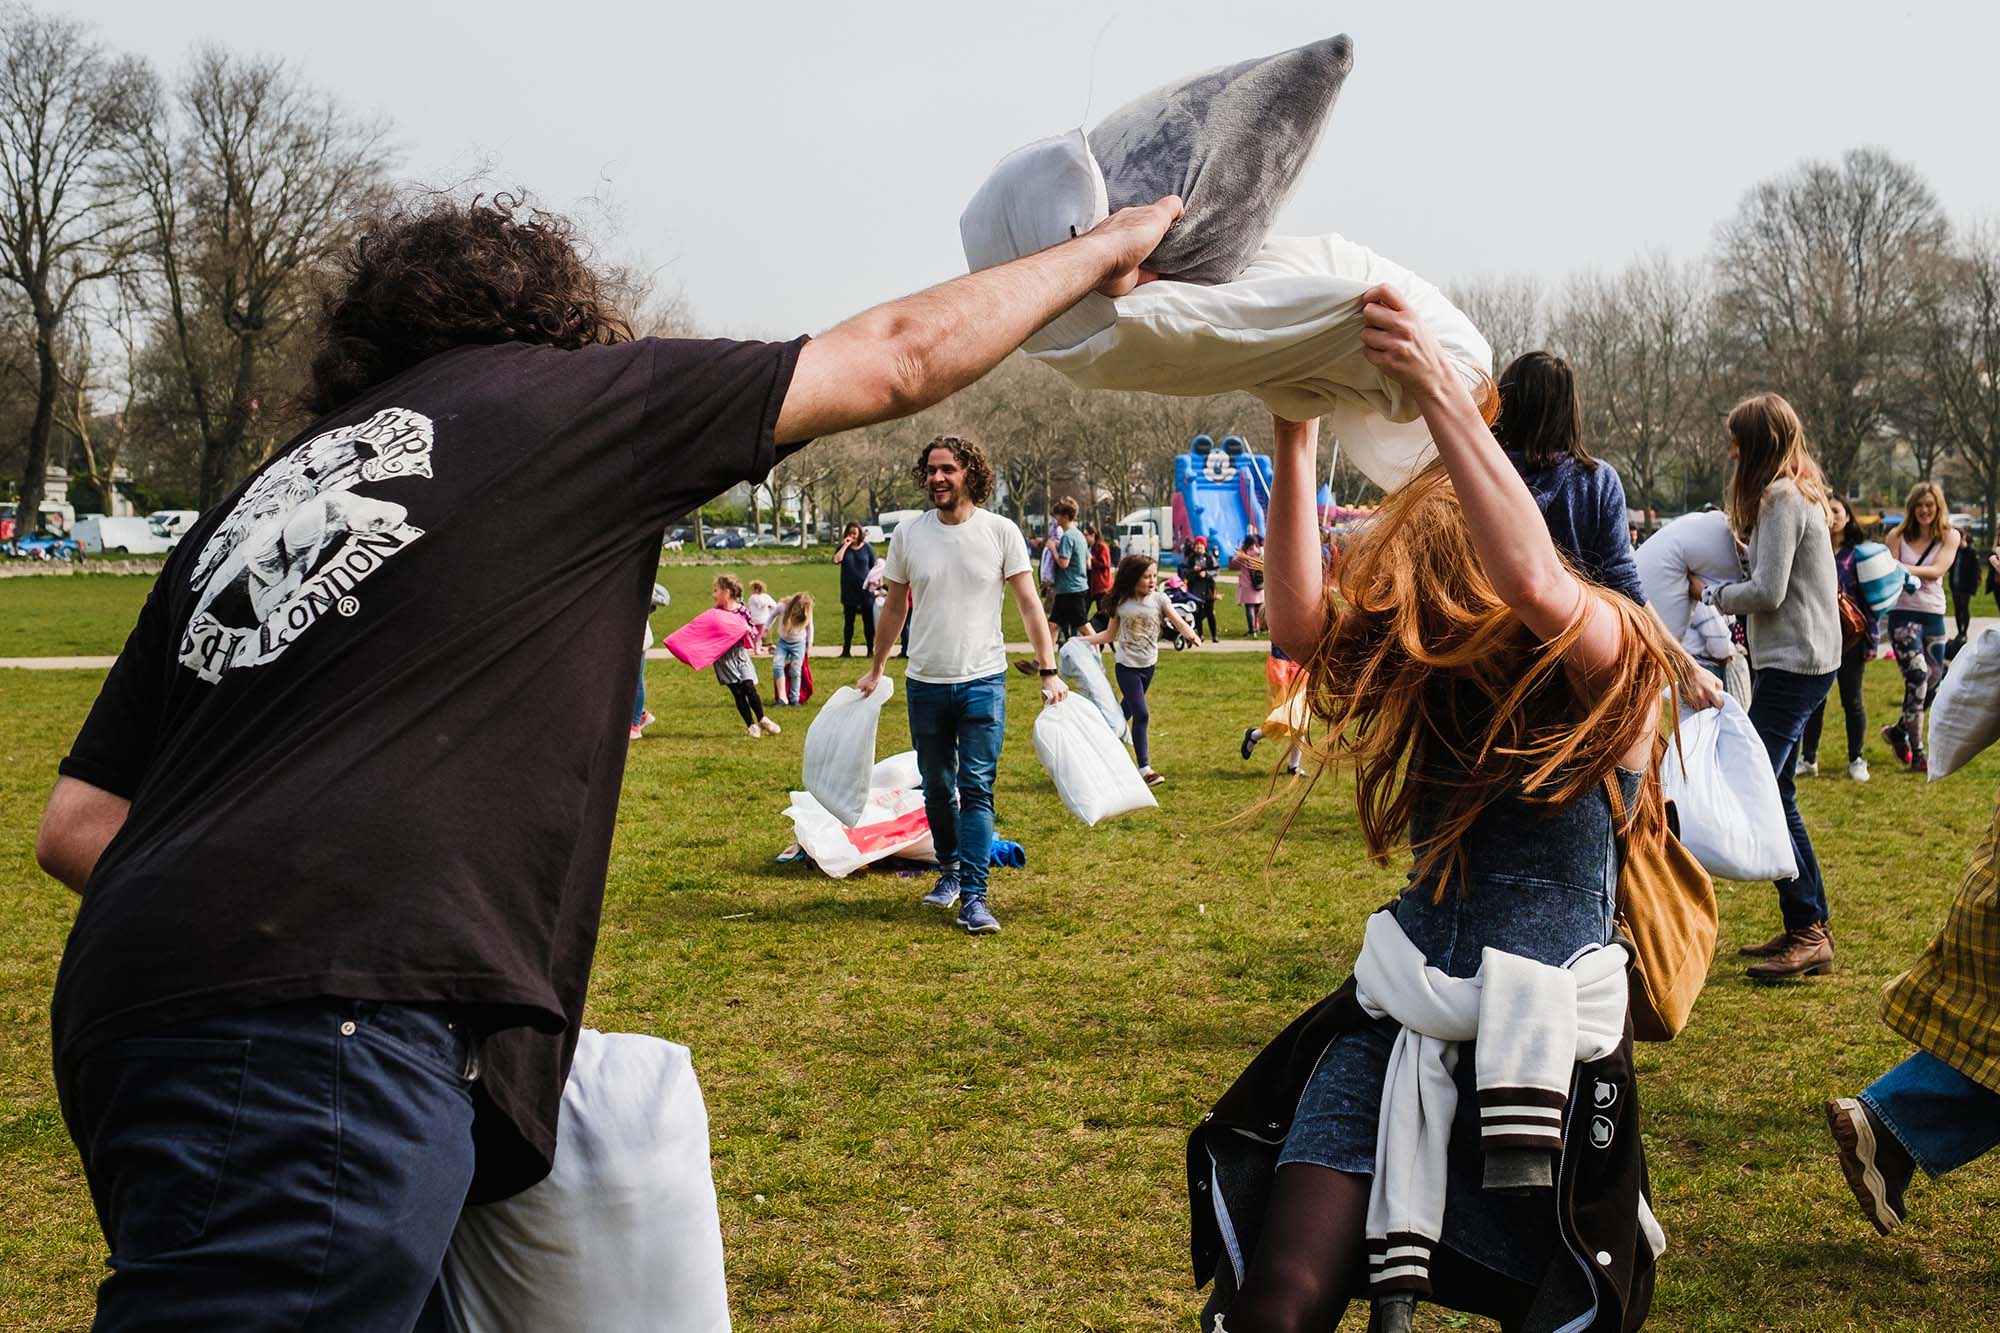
(62, 229)
(250, 180)
(1642, 346)
(1962, 361)
(1511, 310)
(1822, 284)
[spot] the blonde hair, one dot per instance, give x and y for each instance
(1413, 625)
(757, 586)
(798, 610)
(1770, 445)
(728, 583)
(1939, 526)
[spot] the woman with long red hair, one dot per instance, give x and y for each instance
(1486, 699)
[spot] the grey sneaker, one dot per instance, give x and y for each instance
(945, 892)
(977, 917)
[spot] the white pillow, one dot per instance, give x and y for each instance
(1037, 197)
(1288, 331)
(1965, 719)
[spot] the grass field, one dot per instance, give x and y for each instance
(915, 1130)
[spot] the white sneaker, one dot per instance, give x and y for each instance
(1857, 770)
(756, 732)
(1806, 768)
(770, 726)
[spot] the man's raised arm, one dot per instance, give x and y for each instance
(901, 357)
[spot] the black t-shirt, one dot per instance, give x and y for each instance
(372, 720)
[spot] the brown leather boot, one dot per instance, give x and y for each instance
(1807, 953)
(1768, 947)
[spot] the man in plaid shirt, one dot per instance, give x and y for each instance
(1940, 1108)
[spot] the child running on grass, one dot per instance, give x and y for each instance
(762, 608)
(735, 669)
(788, 660)
(1284, 690)
(1138, 610)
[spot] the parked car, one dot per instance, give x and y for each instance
(722, 539)
(174, 522)
(44, 546)
(125, 536)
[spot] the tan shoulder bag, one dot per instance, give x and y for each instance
(1667, 909)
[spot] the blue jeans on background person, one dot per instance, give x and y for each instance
(639, 704)
(957, 731)
(788, 664)
(301, 1165)
(1942, 1118)
(1780, 703)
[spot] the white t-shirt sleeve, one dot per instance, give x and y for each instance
(1013, 550)
(896, 567)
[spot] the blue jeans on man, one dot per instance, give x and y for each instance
(1780, 704)
(1942, 1118)
(296, 1166)
(957, 730)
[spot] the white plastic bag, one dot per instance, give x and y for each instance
(892, 823)
(1094, 777)
(1965, 719)
(840, 749)
(1718, 775)
(623, 1234)
(1083, 671)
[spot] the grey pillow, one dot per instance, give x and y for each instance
(1232, 143)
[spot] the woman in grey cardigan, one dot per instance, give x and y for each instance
(1777, 503)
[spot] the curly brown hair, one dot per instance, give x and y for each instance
(978, 472)
(434, 273)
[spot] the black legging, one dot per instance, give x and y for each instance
(1132, 683)
(865, 610)
(1852, 664)
(1204, 614)
(748, 701)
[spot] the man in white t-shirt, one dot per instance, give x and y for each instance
(958, 561)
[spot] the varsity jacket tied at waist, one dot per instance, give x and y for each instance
(1604, 1279)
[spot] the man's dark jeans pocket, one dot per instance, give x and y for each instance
(157, 1115)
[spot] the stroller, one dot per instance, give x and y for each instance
(1186, 604)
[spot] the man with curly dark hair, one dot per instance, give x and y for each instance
(951, 567)
(345, 824)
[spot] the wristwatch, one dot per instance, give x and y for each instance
(1045, 672)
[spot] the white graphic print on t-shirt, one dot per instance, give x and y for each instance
(300, 540)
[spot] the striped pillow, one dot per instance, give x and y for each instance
(1881, 576)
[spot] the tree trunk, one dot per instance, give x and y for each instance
(34, 471)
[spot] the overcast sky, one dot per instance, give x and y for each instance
(788, 163)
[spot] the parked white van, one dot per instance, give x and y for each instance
(125, 536)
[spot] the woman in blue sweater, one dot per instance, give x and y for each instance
(1581, 498)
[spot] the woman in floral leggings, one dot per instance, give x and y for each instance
(1926, 544)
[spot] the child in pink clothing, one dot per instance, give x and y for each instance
(762, 608)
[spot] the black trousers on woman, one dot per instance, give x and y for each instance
(866, 611)
(1848, 681)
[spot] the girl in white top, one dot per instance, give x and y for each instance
(1926, 544)
(761, 607)
(1138, 611)
(794, 621)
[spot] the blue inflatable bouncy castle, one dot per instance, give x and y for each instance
(1220, 492)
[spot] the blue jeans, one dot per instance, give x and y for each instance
(1941, 1117)
(639, 704)
(1780, 703)
(957, 731)
(788, 664)
(297, 1166)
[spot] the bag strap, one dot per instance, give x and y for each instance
(1617, 795)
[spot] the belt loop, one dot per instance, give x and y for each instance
(471, 1071)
